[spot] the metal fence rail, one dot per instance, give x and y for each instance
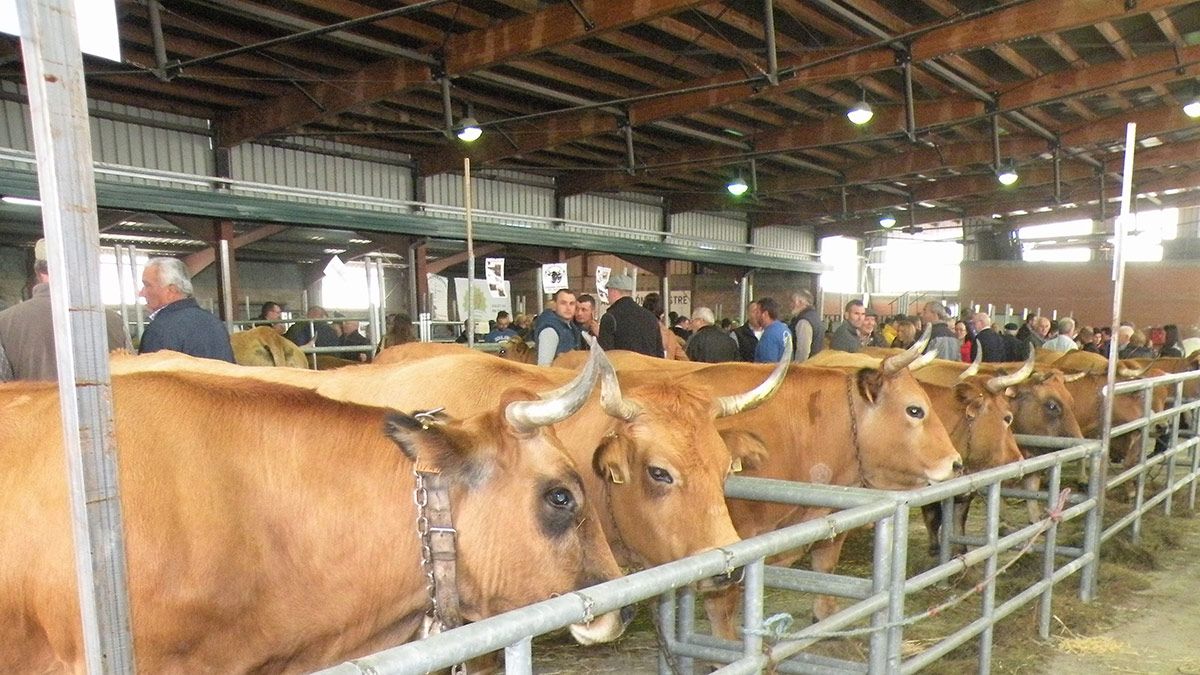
(876, 611)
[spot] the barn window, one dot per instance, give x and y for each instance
(841, 253)
(924, 261)
(110, 282)
(346, 288)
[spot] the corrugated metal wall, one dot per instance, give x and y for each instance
(634, 214)
(313, 164)
(782, 240)
(713, 227)
(504, 191)
(124, 135)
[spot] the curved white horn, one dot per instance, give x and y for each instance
(590, 363)
(1001, 382)
(525, 416)
(611, 399)
(1074, 377)
(894, 364)
(922, 361)
(1134, 372)
(973, 370)
(725, 406)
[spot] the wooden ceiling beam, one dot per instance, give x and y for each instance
(485, 47)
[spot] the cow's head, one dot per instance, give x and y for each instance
(898, 440)
(526, 532)
(665, 463)
(983, 429)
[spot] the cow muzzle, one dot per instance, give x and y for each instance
(604, 628)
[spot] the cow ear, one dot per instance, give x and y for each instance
(870, 384)
(611, 460)
(435, 443)
(748, 450)
(968, 396)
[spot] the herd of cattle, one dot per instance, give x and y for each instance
(270, 515)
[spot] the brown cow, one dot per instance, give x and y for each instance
(513, 349)
(261, 547)
(974, 409)
(894, 442)
(651, 438)
(264, 346)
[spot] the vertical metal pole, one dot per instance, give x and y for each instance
(518, 657)
(1093, 524)
(666, 298)
(744, 299)
(752, 610)
(137, 305)
(1167, 507)
(910, 114)
(1045, 607)
(881, 573)
(1143, 439)
(413, 307)
(447, 109)
(58, 110)
(989, 572)
(685, 626)
(156, 33)
(248, 307)
(1118, 278)
(630, 158)
(1057, 174)
(304, 301)
(769, 33)
(470, 252)
(995, 142)
(226, 285)
(122, 283)
(666, 623)
(899, 572)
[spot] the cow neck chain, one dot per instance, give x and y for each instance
(622, 548)
(862, 467)
(438, 538)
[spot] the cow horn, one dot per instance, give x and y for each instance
(725, 406)
(894, 364)
(611, 399)
(1001, 382)
(561, 403)
(1073, 377)
(561, 391)
(973, 369)
(923, 360)
(1133, 372)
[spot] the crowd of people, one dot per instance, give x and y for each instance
(178, 323)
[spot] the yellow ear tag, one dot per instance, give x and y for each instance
(614, 477)
(737, 464)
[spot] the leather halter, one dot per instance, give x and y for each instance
(435, 526)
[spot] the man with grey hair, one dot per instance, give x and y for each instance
(941, 338)
(1065, 340)
(27, 330)
(808, 328)
(709, 343)
(176, 321)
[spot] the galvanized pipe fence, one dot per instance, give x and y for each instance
(876, 609)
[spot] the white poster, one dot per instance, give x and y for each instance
(484, 306)
(602, 275)
(494, 273)
(680, 301)
(439, 297)
(554, 277)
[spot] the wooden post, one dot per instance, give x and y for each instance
(62, 140)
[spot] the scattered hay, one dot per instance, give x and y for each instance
(910, 648)
(1092, 646)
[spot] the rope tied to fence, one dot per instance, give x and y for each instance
(777, 627)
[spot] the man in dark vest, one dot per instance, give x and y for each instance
(808, 330)
(626, 324)
(554, 330)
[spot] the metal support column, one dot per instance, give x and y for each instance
(58, 110)
(226, 284)
(470, 294)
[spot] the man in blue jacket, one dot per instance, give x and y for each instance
(176, 321)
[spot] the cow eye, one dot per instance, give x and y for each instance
(1053, 407)
(660, 474)
(560, 498)
(915, 412)
(1008, 420)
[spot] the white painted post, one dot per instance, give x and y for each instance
(62, 140)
